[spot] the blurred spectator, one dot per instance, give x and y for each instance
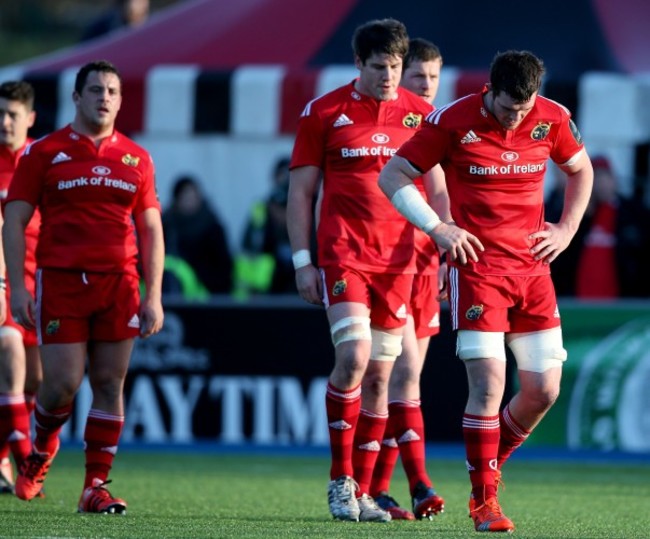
(123, 14)
(264, 264)
(194, 233)
(606, 258)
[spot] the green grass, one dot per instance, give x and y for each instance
(218, 495)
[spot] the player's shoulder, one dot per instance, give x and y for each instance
(327, 102)
(463, 109)
(551, 109)
(122, 142)
(46, 144)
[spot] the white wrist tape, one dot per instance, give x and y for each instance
(411, 204)
(301, 258)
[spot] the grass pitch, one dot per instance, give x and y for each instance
(255, 495)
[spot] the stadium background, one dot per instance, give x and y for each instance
(214, 90)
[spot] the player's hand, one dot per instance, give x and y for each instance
(310, 284)
(23, 308)
(550, 242)
(151, 317)
(460, 245)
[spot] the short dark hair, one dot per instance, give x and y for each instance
(101, 66)
(18, 90)
(382, 36)
(421, 50)
(516, 73)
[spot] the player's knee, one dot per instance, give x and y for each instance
(539, 352)
(385, 346)
(480, 344)
(350, 328)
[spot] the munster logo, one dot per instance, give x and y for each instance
(474, 312)
(53, 327)
(412, 120)
(339, 287)
(130, 160)
(540, 131)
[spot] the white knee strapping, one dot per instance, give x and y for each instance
(385, 346)
(7, 331)
(351, 328)
(480, 344)
(539, 351)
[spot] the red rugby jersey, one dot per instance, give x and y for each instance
(8, 163)
(88, 197)
(495, 177)
(350, 137)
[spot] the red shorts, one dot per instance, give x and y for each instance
(509, 304)
(28, 335)
(75, 306)
(424, 305)
(386, 295)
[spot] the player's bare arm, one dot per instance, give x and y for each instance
(556, 237)
(438, 197)
(396, 182)
(16, 216)
(152, 250)
(303, 186)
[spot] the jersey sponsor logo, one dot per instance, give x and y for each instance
(60, 157)
(496, 170)
(510, 156)
(470, 137)
(101, 171)
(540, 131)
(339, 287)
(342, 120)
(130, 160)
(412, 120)
(365, 151)
(52, 327)
(474, 312)
(62, 185)
(380, 138)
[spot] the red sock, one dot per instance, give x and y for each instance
(101, 437)
(342, 416)
(48, 427)
(5, 425)
(409, 432)
(15, 432)
(481, 435)
(386, 460)
(512, 435)
(367, 443)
